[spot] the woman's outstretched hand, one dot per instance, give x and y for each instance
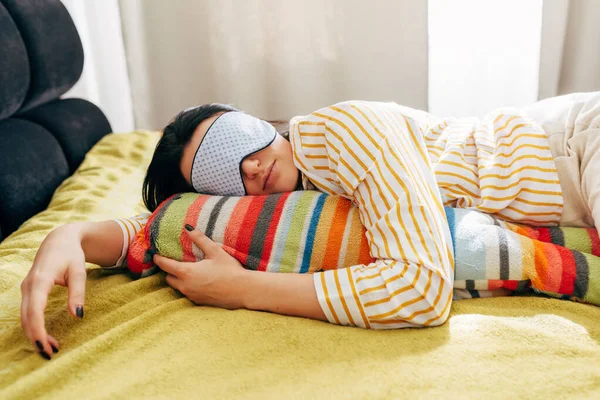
(59, 261)
(217, 280)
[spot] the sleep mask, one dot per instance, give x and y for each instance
(233, 136)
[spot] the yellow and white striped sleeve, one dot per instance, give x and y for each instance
(373, 154)
(130, 227)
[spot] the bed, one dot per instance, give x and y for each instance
(141, 338)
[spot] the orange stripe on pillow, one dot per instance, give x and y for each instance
(234, 225)
(357, 248)
(541, 266)
(552, 276)
(336, 235)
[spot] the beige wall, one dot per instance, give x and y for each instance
(273, 58)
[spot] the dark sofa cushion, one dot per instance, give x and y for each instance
(53, 47)
(33, 165)
(77, 125)
(14, 66)
(42, 139)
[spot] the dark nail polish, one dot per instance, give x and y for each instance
(189, 227)
(54, 349)
(45, 355)
(39, 345)
(80, 311)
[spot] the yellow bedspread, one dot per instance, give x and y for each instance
(140, 338)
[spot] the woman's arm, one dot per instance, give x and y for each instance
(60, 260)
(288, 294)
(220, 280)
(373, 154)
(101, 242)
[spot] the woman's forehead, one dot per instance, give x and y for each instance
(187, 160)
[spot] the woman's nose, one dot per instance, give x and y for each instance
(250, 167)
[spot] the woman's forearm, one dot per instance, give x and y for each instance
(101, 242)
(287, 294)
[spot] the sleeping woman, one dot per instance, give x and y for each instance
(399, 166)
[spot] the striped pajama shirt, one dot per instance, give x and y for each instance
(400, 167)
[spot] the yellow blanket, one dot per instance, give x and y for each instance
(140, 338)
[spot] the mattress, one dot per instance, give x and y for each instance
(141, 338)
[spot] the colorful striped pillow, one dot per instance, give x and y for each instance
(492, 254)
(303, 231)
(308, 231)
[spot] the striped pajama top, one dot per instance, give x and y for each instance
(400, 167)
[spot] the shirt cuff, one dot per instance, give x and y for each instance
(339, 298)
(129, 227)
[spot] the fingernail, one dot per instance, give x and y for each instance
(189, 227)
(39, 345)
(54, 349)
(80, 311)
(45, 355)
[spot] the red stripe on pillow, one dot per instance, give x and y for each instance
(191, 218)
(569, 271)
(249, 224)
(593, 234)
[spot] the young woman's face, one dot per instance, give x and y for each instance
(268, 171)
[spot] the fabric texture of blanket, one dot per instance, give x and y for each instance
(309, 231)
(142, 339)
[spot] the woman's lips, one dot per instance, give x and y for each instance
(270, 176)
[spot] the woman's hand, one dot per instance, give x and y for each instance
(218, 280)
(221, 281)
(59, 261)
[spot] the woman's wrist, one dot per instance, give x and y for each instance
(247, 284)
(101, 242)
(69, 233)
(281, 293)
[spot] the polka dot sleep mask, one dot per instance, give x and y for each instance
(233, 136)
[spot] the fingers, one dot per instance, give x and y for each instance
(208, 247)
(170, 266)
(76, 278)
(174, 282)
(54, 344)
(37, 293)
(35, 290)
(24, 308)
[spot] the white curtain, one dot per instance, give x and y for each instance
(147, 59)
(273, 58)
(488, 54)
(483, 55)
(104, 80)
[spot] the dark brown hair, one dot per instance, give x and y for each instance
(163, 177)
